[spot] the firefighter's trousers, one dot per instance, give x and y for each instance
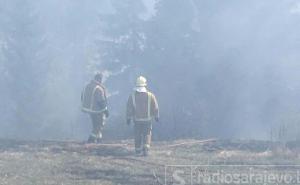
(142, 132)
(98, 122)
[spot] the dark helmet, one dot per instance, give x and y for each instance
(98, 76)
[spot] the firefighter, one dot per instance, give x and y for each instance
(142, 108)
(94, 102)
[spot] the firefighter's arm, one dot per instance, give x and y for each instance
(83, 94)
(102, 101)
(154, 108)
(100, 98)
(129, 110)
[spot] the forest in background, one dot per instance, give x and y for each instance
(226, 69)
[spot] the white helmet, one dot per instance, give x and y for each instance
(141, 82)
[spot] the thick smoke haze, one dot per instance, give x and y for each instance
(227, 69)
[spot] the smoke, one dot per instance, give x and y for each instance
(223, 69)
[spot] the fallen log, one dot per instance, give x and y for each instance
(192, 143)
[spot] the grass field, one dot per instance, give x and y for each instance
(70, 163)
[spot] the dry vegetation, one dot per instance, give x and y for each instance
(69, 163)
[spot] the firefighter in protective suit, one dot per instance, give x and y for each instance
(142, 108)
(94, 102)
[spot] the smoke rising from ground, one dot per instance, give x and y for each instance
(218, 68)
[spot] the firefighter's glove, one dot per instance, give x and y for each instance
(128, 121)
(106, 113)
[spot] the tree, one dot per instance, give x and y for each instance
(25, 64)
(170, 52)
(120, 46)
(157, 48)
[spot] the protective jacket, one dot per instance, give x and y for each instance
(94, 98)
(142, 106)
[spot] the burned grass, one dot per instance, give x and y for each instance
(55, 162)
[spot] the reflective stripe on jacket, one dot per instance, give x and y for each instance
(142, 106)
(93, 98)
